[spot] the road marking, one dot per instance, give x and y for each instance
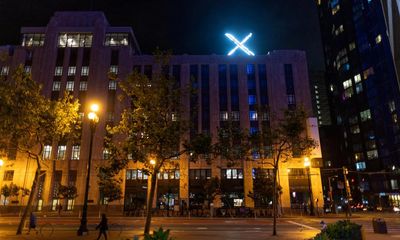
(257, 228)
(201, 228)
(302, 225)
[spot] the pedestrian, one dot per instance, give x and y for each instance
(32, 223)
(323, 226)
(102, 227)
(305, 208)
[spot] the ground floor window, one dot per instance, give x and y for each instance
(70, 204)
(40, 205)
(55, 204)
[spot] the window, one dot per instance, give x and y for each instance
(347, 84)
(352, 46)
(368, 72)
(355, 129)
(359, 88)
(112, 85)
(28, 69)
(335, 9)
(264, 116)
(106, 154)
(135, 174)
(83, 86)
(394, 184)
(378, 39)
(253, 115)
(116, 39)
(114, 69)
(33, 40)
(61, 152)
(56, 86)
(365, 115)
(8, 175)
(360, 166)
(71, 71)
(392, 106)
(76, 150)
(223, 116)
(70, 204)
(70, 86)
(232, 173)
(252, 99)
(58, 71)
(4, 70)
(372, 154)
(235, 116)
(75, 40)
(47, 152)
(85, 71)
(358, 156)
(357, 78)
(291, 99)
(353, 120)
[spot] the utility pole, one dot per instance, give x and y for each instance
(348, 192)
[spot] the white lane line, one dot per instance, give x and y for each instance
(302, 225)
(201, 228)
(257, 228)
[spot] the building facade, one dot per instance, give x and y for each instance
(361, 55)
(77, 51)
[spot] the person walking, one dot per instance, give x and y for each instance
(32, 223)
(102, 227)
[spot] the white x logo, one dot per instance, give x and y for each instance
(239, 44)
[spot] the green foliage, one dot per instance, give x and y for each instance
(263, 186)
(343, 229)
(159, 234)
(212, 188)
(9, 191)
(67, 192)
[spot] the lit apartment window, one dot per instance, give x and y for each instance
(355, 129)
(33, 40)
(335, 9)
(112, 85)
(365, 115)
(357, 78)
(56, 86)
(70, 86)
(223, 116)
(85, 71)
(378, 39)
(394, 184)
(28, 69)
(359, 87)
(76, 151)
(106, 154)
(252, 99)
(392, 106)
(83, 86)
(70, 204)
(58, 71)
(71, 71)
(75, 40)
(368, 72)
(232, 173)
(61, 152)
(352, 46)
(235, 116)
(114, 69)
(253, 115)
(47, 152)
(360, 166)
(372, 154)
(116, 39)
(174, 116)
(4, 70)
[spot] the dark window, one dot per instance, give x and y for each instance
(193, 99)
(176, 73)
(289, 79)
(73, 57)
(137, 68)
(86, 57)
(223, 91)
(8, 175)
(60, 57)
(199, 174)
(262, 78)
(148, 71)
(233, 73)
(205, 98)
(114, 57)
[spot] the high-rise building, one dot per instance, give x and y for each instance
(77, 51)
(360, 45)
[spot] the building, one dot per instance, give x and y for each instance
(77, 51)
(361, 58)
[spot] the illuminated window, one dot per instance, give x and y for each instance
(392, 106)
(70, 204)
(357, 78)
(76, 150)
(372, 154)
(33, 40)
(47, 152)
(56, 86)
(335, 9)
(61, 152)
(83, 86)
(394, 184)
(4, 70)
(58, 71)
(27, 69)
(106, 154)
(360, 166)
(352, 46)
(114, 69)
(223, 116)
(368, 72)
(347, 84)
(112, 85)
(252, 99)
(253, 116)
(71, 71)
(75, 40)
(355, 129)
(85, 71)
(69, 86)
(116, 39)
(365, 115)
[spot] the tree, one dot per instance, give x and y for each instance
(9, 191)
(29, 120)
(281, 140)
(263, 188)
(154, 126)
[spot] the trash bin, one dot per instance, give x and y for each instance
(379, 225)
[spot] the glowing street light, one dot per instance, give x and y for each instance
(152, 162)
(1, 162)
(93, 120)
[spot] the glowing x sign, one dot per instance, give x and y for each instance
(239, 44)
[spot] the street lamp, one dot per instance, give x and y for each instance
(307, 166)
(93, 120)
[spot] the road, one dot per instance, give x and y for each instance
(195, 228)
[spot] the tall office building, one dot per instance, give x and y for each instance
(360, 44)
(77, 51)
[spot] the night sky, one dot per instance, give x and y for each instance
(192, 27)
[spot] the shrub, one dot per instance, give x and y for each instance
(344, 230)
(160, 234)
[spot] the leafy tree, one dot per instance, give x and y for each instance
(212, 188)
(9, 191)
(281, 140)
(263, 188)
(67, 192)
(29, 120)
(154, 126)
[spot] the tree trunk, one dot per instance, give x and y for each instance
(28, 207)
(149, 209)
(274, 203)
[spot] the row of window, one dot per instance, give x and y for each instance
(61, 152)
(71, 71)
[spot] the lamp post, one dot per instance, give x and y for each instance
(307, 166)
(94, 119)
